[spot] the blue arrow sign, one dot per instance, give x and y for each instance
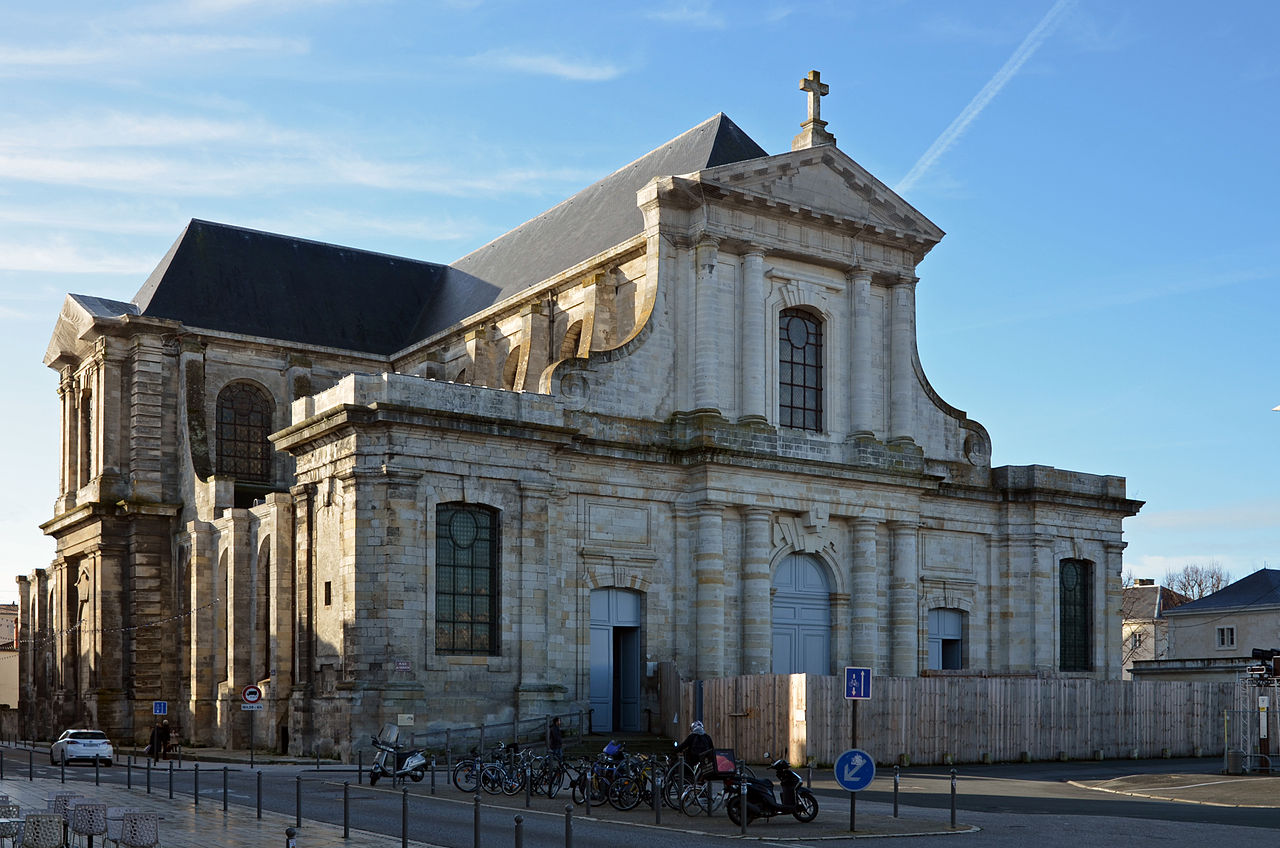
(159, 707)
(855, 770)
(857, 683)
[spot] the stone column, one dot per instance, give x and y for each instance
(706, 365)
(66, 469)
(902, 343)
(1044, 607)
(860, 346)
(757, 617)
(904, 594)
(754, 350)
(864, 601)
(708, 566)
(1107, 620)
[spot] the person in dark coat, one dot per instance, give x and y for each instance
(159, 742)
(697, 747)
(555, 739)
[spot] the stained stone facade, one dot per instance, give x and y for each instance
(678, 418)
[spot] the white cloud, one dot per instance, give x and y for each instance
(20, 61)
(689, 14)
(980, 101)
(546, 65)
(59, 254)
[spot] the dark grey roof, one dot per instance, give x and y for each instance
(1261, 588)
(1149, 602)
(603, 214)
(220, 277)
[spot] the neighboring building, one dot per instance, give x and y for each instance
(1213, 638)
(678, 418)
(1145, 632)
(8, 655)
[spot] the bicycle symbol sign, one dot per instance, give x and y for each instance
(855, 769)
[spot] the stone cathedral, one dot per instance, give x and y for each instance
(678, 418)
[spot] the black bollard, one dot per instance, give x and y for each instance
(31, 767)
(742, 804)
(404, 818)
(360, 768)
(297, 806)
(290, 838)
(1, 765)
(519, 831)
(63, 769)
(657, 797)
(896, 775)
(128, 771)
(346, 809)
(568, 826)
(171, 780)
(476, 825)
(148, 777)
(433, 773)
(195, 786)
(224, 789)
(259, 793)
(953, 799)
(317, 759)
(97, 772)
(528, 786)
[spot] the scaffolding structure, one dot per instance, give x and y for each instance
(1251, 731)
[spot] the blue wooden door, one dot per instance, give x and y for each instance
(615, 660)
(801, 617)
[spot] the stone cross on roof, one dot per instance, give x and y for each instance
(817, 89)
(813, 132)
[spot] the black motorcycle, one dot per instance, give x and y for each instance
(794, 799)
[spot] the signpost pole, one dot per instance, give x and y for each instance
(853, 743)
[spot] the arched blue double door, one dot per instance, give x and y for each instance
(801, 616)
(615, 660)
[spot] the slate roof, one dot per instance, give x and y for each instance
(1149, 602)
(1259, 589)
(603, 214)
(221, 277)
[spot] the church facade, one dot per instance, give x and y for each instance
(678, 418)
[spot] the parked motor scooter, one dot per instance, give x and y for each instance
(393, 761)
(794, 799)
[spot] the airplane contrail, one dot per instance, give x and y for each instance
(1019, 58)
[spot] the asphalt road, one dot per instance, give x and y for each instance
(1013, 804)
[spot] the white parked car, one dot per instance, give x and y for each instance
(72, 745)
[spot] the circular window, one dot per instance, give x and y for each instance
(1070, 577)
(463, 529)
(797, 332)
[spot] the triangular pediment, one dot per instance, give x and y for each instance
(78, 315)
(824, 181)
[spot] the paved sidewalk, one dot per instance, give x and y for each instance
(185, 825)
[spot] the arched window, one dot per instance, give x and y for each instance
(800, 370)
(466, 579)
(244, 421)
(1075, 585)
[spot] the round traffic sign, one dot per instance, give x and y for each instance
(855, 769)
(251, 694)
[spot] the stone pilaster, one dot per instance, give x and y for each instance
(754, 350)
(902, 345)
(861, 347)
(708, 566)
(904, 604)
(1044, 607)
(864, 599)
(535, 579)
(757, 621)
(1107, 619)
(707, 327)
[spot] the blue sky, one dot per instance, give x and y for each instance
(1106, 173)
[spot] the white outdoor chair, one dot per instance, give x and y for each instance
(115, 822)
(139, 830)
(88, 820)
(43, 830)
(10, 823)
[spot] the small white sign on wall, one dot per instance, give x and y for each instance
(404, 719)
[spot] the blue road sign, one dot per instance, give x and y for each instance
(855, 769)
(857, 683)
(159, 707)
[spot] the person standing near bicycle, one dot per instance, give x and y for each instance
(697, 747)
(555, 739)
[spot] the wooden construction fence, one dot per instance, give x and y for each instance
(925, 720)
